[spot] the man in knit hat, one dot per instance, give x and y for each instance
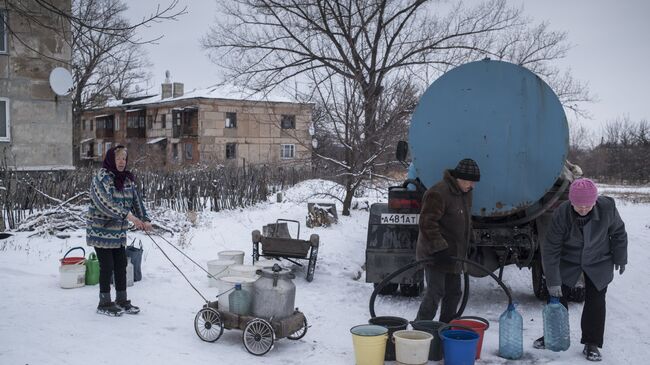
(586, 237)
(444, 231)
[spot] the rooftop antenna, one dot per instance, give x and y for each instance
(167, 77)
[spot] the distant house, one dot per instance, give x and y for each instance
(217, 125)
(35, 123)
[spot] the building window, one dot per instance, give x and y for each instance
(117, 122)
(188, 151)
(100, 149)
(3, 31)
(288, 121)
(83, 125)
(175, 151)
(231, 120)
(287, 151)
(163, 121)
(92, 124)
(231, 150)
(5, 121)
(108, 146)
(149, 121)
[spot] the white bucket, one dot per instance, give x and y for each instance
(218, 268)
(412, 347)
(129, 272)
(226, 283)
(246, 271)
(72, 276)
(235, 255)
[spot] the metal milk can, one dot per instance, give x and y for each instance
(274, 293)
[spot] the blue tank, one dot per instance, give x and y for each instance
(505, 118)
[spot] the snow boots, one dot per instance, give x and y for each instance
(591, 352)
(124, 304)
(107, 307)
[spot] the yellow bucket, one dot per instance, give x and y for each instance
(369, 344)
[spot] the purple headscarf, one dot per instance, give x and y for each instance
(109, 164)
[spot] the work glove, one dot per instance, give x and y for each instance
(555, 291)
(620, 268)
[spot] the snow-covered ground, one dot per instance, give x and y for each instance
(44, 324)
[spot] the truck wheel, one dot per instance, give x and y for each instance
(539, 281)
(388, 289)
(410, 290)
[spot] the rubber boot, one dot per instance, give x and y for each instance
(125, 304)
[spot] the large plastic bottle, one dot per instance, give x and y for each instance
(556, 326)
(511, 334)
(239, 301)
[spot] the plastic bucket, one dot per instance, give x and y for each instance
(235, 255)
(459, 345)
(247, 271)
(435, 350)
(218, 268)
(412, 346)
(74, 260)
(72, 276)
(392, 324)
(478, 324)
(369, 343)
(226, 283)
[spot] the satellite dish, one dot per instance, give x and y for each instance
(61, 81)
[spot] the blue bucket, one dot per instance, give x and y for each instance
(459, 345)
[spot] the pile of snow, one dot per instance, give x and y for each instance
(44, 324)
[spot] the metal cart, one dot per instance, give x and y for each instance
(277, 243)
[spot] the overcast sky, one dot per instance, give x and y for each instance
(611, 50)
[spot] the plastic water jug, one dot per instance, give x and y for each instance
(239, 301)
(511, 334)
(92, 269)
(556, 326)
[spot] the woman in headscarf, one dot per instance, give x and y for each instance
(114, 202)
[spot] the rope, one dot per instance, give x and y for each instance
(173, 264)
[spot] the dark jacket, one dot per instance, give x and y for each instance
(445, 224)
(567, 251)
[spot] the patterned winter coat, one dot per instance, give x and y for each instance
(445, 224)
(567, 251)
(106, 220)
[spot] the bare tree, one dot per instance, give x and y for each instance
(368, 45)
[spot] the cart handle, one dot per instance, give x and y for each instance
(286, 220)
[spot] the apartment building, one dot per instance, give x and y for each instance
(218, 125)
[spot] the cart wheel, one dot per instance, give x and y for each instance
(258, 337)
(208, 325)
(300, 333)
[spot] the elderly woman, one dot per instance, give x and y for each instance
(114, 202)
(587, 237)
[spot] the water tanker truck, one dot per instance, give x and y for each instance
(512, 124)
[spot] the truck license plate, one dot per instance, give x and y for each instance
(387, 218)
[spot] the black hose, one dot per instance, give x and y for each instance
(385, 281)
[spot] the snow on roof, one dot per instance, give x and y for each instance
(228, 92)
(156, 140)
(86, 140)
(103, 116)
(134, 110)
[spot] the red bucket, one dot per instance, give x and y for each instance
(74, 260)
(478, 324)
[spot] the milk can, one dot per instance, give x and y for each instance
(274, 293)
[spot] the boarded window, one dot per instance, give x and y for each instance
(4, 120)
(231, 120)
(231, 150)
(287, 151)
(288, 121)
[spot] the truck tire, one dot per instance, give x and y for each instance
(410, 290)
(539, 281)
